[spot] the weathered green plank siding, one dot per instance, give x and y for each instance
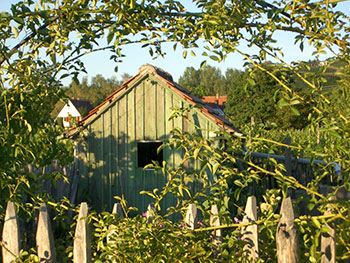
(161, 113)
(96, 163)
(150, 110)
(160, 129)
(149, 177)
(130, 146)
(105, 162)
(117, 179)
(122, 147)
(141, 113)
(169, 124)
(139, 135)
(112, 157)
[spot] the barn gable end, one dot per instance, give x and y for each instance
(127, 127)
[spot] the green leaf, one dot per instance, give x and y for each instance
(310, 206)
(251, 82)
(206, 33)
(282, 103)
(347, 186)
(316, 222)
(15, 31)
(110, 36)
(226, 200)
(196, 152)
(215, 167)
(180, 188)
(19, 20)
(245, 87)
(295, 102)
(295, 111)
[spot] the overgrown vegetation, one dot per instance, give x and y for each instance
(254, 94)
(46, 50)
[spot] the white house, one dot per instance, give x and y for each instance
(73, 111)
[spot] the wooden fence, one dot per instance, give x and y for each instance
(304, 170)
(286, 234)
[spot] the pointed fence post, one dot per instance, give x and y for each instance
(215, 221)
(287, 234)
(250, 233)
(117, 211)
(10, 235)
(44, 237)
(191, 217)
(151, 211)
(328, 247)
(216, 234)
(82, 238)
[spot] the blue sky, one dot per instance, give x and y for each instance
(173, 62)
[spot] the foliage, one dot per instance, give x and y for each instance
(203, 82)
(52, 36)
(149, 240)
(254, 93)
(96, 91)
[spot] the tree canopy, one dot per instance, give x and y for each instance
(203, 82)
(42, 42)
(97, 90)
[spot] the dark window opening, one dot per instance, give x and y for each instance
(147, 152)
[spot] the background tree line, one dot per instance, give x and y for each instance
(251, 92)
(52, 36)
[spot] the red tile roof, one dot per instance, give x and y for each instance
(219, 100)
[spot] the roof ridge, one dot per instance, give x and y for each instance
(152, 69)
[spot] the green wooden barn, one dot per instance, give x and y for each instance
(122, 134)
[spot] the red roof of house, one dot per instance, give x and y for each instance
(219, 100)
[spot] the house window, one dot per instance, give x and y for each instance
(147, 152)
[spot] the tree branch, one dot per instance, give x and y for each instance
(29, 37)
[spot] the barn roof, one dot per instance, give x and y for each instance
(167, 79)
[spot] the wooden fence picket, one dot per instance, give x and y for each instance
(191, 217)
(287, 234)
(117, 210)
(151, 211)
(10, 235)
(215, 222)
(328, 247)
(82, 237)
(250, 233)
(44, 237)
(216, 234)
